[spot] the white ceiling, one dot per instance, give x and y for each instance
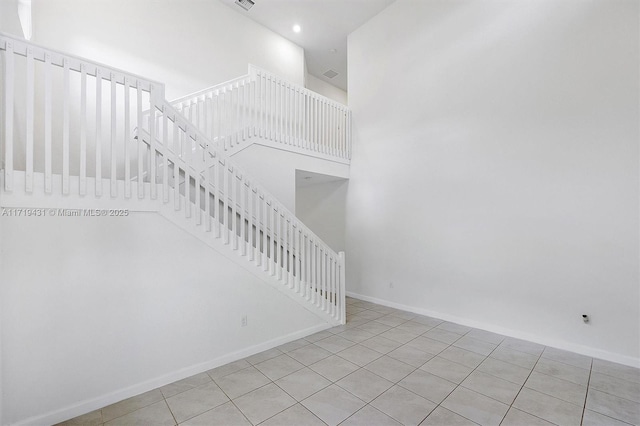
(325, 26)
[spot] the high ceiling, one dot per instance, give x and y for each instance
(325, 25)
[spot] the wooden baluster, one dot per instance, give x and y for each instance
(83, 130)
(127, 135)
(30, 87)
(198, 154)
(153, 164)
(251, 220)
(290, 240)
(264, 216)
(165, 155)
(98, 138)
(225, 197)
(207, 194)
(47, 122)
(176, 168)
(188, 159)
(113, 183)
(279, 245)
(243, 214)
(217, 207)
(65, 126)
(141, 144)
(8, 115)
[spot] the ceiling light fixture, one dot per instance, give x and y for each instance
(297, 28)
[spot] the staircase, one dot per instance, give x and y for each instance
(80, 135)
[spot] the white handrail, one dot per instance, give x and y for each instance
(91, 119)
(262, 104)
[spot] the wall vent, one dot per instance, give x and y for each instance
(330, 74)
(245, 4)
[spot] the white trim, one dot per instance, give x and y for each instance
(535, 338)
(87, 406)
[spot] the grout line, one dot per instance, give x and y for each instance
(586, 394)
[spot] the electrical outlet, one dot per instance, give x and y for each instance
(244, 321)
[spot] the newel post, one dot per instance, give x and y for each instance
(343, 294)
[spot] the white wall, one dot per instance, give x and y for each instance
(495, 167)
(186, 44)
(94, 310)
(275, 170)
(326, 89)
(9, 21)
(321, 207)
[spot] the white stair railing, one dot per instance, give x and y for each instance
(263, 105)
(66, 130)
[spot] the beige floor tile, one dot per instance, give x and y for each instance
(232, 367)
(558, 388)
(196, 401)
(562, 371)
(333, 404)
(263, 403)
(627, 373)
(403, 405)
(443, 417)
(226, 414)
(241, 382)
(454, 328)
(94, 418)
(334, 368)
(613, 406)
(410, 355)
(441, 335)
(264, 356)
(548, 408)
(359, 355)
(390, 368)
(185, 384)
(591, 418)
(295, 415)
(380, 344)
(279, 366)
(431, 387)
(303, 383)
(521, 359)
(369, 416)
(334, 344)
(615, 386)
(516, 417)
(131, 404)
(309, 354)
(157, 414)
(462, 356)
(491, 386)
(475, 407)
(446, 369)
(504, 370)
(566, 357)
(474, 345)
(364, 384)
(522, 346)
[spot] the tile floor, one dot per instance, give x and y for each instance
(390, 367)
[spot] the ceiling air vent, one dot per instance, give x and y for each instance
(330, 74)
(245, 4)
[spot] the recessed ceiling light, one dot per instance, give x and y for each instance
(297, 28)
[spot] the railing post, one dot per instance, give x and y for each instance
(342, 296)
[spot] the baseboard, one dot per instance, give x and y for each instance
(542, 340)
(87, 406)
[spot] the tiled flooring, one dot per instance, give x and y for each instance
(390, 367)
